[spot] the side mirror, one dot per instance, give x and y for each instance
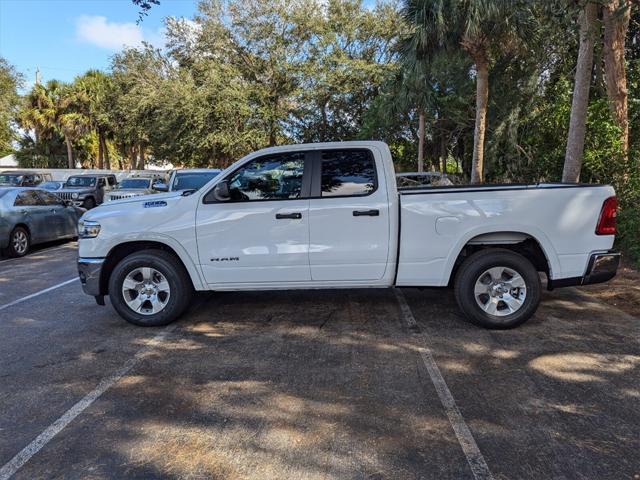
(221, 191)
(161, 187)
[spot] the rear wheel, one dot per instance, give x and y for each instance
(150, 288)
(19, 242)
(497, 288)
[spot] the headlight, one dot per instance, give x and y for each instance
(88, 229)
(74, 195)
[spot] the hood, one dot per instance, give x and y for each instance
(75, 189)
(130, 191)
(157, 203)
(139, 199)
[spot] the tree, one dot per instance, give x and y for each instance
(10, 80)
(616, 15)
(580, 100)
(94, 95)
(485, 30)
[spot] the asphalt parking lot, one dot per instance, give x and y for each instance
(366, 384)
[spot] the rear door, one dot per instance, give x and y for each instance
(34, 214)
(61, 218)
(349, 217)
(261, 234)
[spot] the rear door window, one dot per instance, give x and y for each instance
(49, 199)
(347, 173)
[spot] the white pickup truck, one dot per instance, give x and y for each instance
(329, 215)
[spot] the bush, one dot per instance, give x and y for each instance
(629, 232)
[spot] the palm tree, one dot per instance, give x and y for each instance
(54, 106)
(616, 15)
(484, 29)
(38, 111)
(580, 100)
(94, 88)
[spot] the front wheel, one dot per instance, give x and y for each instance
(497, 288)
(89, 203)
(150, 288)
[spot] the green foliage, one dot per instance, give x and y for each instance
(10, 80)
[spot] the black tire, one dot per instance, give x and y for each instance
(13, 250)
(474, 269)
(89, 203)
(181, 288)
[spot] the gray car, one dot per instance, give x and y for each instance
(29, 216)
(88, 190)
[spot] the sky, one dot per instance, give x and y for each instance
(65, 38)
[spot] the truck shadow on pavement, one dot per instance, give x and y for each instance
(330, 384)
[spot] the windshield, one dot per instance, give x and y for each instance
(10, 179)
(134, 183)
(81, 182)
(50, 185)
(191, 180)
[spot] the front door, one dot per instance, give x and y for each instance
(349, 217)
(261, 234)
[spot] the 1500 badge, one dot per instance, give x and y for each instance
(226, 259)
(156, 203)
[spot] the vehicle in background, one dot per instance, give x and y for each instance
(87, 191)
(330, 215)
(425, 179)
(29, 216)
(190, 179)
(23, 178)
(52, 185)
(134, 187)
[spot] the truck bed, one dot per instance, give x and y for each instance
(438, 222)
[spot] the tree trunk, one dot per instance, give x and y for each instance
(616, 24)
(70, 162)
(100, 152)
(141, 157)
(420, 140)
(580, 101)
(132, 157)
(482, 98)
(443, 153)
(105, 150)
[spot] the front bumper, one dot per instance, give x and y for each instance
(602, 267)
(90, 272)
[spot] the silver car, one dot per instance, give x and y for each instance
(133, 187)
(29, 216)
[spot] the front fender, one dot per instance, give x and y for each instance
(90, 248)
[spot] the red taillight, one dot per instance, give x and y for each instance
(607, 221)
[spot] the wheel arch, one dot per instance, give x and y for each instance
(532, 245)
(122, 250)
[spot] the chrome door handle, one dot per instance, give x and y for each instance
(292, 216)
(366, 213)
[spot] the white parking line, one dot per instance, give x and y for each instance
(476, 461)
(13, 465)
(29, 297)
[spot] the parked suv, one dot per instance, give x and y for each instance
(87, 191)
(16, 178)
(134, 186)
